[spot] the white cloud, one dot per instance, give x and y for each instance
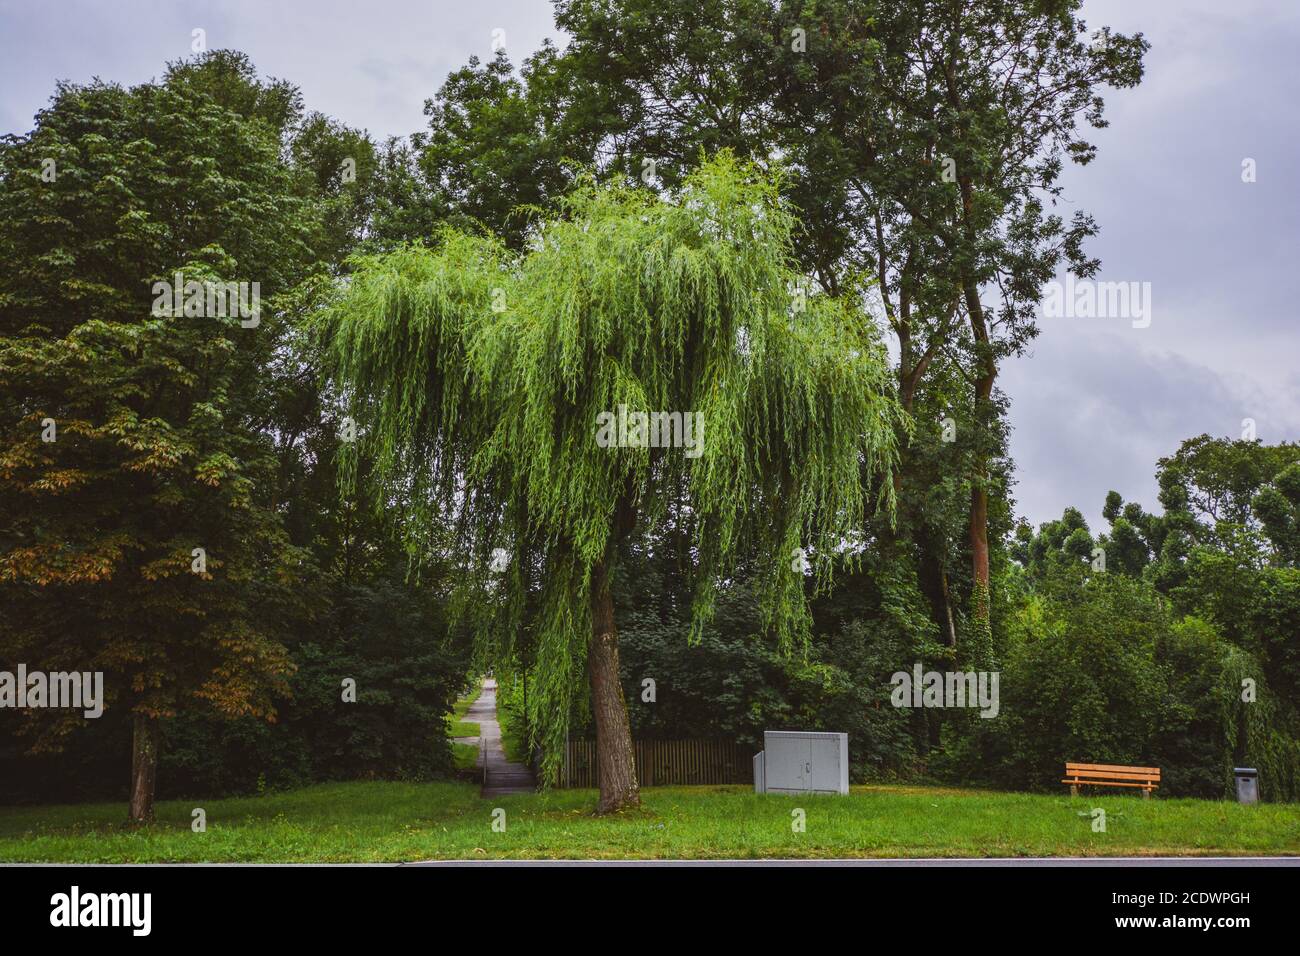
(1091, 413)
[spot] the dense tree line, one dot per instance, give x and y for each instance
(171, 515)
(1168, 640)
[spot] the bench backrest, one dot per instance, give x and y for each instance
(1104, 771)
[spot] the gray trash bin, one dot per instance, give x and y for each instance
(1247, 784)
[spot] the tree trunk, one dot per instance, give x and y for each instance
(615, 766)
(935, 584)
(979, 495)
(932, 579)
(979, 532)
(144, 768)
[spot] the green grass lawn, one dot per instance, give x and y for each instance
(462, 706)
(376, 821)
(457, 726)
(461, 728)
(465, 756)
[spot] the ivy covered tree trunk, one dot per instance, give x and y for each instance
(144, 768)
(615, 764)
(979, 534)
(984, 415)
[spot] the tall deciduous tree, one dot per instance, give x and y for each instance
(482, 379)
(925, 140)
(984, 104)
(138, 531)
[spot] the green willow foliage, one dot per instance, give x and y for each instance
(476, 377)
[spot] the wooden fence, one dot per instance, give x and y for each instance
(663, 763)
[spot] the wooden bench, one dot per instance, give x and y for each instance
(1109, 775)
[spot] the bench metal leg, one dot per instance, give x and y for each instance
(1146, 794)
(1074, 789)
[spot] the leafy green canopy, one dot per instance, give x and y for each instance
(157, 441)
(478, 376)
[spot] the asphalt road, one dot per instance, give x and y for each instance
(1050, 861)
(1054, 861)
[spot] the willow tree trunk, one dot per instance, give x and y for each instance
(615, 766)
(144, 768)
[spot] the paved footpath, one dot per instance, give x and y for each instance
(501, 776)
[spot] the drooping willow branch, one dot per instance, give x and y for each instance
(478, 379)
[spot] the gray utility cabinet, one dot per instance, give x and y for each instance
(795, 761)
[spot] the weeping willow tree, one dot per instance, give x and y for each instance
(502, 394)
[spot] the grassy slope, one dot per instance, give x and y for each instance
(457, 726)
(374, 821)
(464, 756)
(461, 728)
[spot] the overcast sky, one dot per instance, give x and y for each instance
(1097, 400)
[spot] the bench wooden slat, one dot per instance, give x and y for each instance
(1109, 783)
(1112, 776)
(1111, 767)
